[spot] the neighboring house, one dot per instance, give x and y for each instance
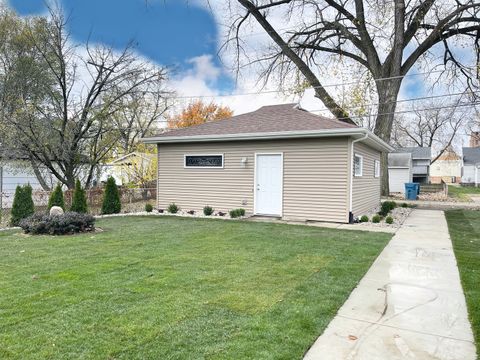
(447, 168)
(136, 167)
(399, 171)
(421, 158)
(276, 161)
(16, 170)
(471, 166)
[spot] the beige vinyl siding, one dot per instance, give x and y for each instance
(314, 179)
(366, 188)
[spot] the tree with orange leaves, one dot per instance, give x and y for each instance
(198, 113)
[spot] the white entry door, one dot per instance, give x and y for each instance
(269, 184)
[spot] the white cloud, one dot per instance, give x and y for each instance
(201, 81)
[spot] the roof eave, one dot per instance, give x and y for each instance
(374, 140)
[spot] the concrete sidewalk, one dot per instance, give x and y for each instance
(409, 305)
(441, 205)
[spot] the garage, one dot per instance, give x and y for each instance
(399, 171)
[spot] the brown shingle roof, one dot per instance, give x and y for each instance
(267, 119)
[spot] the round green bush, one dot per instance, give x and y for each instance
(404, 205)
(389, 220)
(148, 208)
(68, 223)
(376, 219)
(235, 213)
(364, 218)
(208, 210)
(173, 208)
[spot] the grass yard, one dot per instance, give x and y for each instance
(464, 228)
(462, 192)
(177, 288)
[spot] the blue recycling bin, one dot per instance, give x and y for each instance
(411, 191)
(417, 185)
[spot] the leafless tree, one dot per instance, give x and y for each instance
(62, 115)
(137, 117)
(436, 128)
(384, 38)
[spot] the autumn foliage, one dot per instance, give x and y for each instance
(198, 113)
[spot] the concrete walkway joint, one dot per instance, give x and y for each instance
(409, 305)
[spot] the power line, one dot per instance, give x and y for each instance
(310, 87)
(406, 100)
(400, 111)
(414, 110)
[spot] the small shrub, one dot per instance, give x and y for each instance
(376, 219)
(173, 208)
(56, 198)
(389, 220)
(404, 205)
(386, 207)
(237, 213)
(68, 223)
(364, 218)
(79, 202)
(111, 198)
(207, 210)
(148, 208)
(22, 206)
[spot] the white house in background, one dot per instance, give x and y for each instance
(16, 170)
(471, 165)
(447, 168)
(131, 168)
(399, 171)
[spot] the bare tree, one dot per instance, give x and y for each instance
(436, 128)
(137, 116)
(384, 38)
(63, 118)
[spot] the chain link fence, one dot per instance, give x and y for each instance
(132, 199)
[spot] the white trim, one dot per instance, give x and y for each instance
(374, 140)
(255, 183)
(361, 165)
(203, 167)
(376, 166)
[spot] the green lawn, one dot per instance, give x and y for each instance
(462, 192)
(176, 288)
(464, 227)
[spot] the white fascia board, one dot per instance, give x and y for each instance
(373, 140)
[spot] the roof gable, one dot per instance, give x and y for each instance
(267, 119)
(471, 156)
(417, 152)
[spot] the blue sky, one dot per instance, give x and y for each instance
(175, 33)
(169, 32)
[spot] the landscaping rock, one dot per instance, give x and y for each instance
(56, 210)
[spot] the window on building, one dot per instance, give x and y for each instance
(376, 168)
(204, 161)
(358, 165)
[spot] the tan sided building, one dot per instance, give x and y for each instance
(278, 161)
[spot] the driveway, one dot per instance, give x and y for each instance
(409, 305)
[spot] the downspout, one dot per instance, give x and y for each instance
(352, 172)
(476, 173)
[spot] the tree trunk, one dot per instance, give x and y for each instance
(70, 177)
(387, 98)
(39, 175)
